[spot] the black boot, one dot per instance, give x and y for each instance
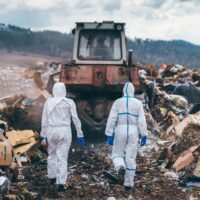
(61, 188)
(127, 188)
(127, 192)
(121, 174)
(53, 181)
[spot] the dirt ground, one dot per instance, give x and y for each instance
(87, 181)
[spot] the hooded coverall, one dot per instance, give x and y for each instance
(56, 126)
(125, 122)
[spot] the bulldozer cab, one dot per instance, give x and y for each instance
(99, 43)
(96, 75)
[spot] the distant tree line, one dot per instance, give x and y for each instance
(54, 43)
(50, 43)
(170, 52)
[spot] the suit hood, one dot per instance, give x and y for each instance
(129, 89)
(59, 90)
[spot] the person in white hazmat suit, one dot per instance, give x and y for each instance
(125, 123)
(56, 128)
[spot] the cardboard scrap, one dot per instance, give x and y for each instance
(5, 154)
(181, 126)
(21, 140)
(183, 160)
(195, 119)
(190, 119)
(194, 148)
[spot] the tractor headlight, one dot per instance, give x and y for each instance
(119, 27)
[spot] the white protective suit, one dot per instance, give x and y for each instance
(126, 121)
(56, 126)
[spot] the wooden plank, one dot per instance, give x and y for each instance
(197, 169)
(183, 160)
(181, 126)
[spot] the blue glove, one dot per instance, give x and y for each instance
(42, 138)
(110, 140)
(81, 141)
(143, 141)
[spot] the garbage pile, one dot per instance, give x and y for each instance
(20, 117)
(174, 99)
(180, 160)
(15, 148)
(21, 104)
(176, 119)
(87, 180)
(170, 168)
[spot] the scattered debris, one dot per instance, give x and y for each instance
(4, 184)
(169, 170)
(5, 154)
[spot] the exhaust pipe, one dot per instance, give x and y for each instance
(130, 57)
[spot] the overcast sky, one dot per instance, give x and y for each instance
(154, 19)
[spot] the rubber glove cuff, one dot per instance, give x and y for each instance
(81, 141)
(110, 140)
(42, 138)
(143, 141)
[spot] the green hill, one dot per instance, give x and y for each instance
(54, 43)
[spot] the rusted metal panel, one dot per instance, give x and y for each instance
(135, 77)
(117, 75)
(99, 75)
(77, 75)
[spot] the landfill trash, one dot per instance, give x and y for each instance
(187, 189)
(174, 144)
(23, 159)
(172, 175)
(5, 154)
(17, 138)
(185, 159)
(27, 102)
(173, 117)
(193, 198)
(182, 125)
(111, 198)
(162, 142)
(2, 137)
(4, 183)
(189, 91)
(142, 74)
(130, 197)
(11, 197)
(197, 184)
(196, 172)
(2, 172)
(179, 100)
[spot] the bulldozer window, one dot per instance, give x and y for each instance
(99, 45)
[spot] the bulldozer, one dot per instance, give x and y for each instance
(99, 68)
